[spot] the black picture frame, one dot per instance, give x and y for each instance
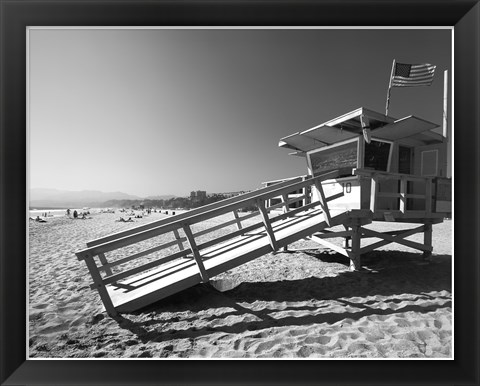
(16, 15)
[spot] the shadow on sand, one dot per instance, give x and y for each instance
(387, 274)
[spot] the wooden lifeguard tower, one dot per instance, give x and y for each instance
(394, 170)
(362, 167)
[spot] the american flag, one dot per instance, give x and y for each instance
(410, 75)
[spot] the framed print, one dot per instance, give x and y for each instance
(182, 202)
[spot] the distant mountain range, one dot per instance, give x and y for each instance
(54, 198)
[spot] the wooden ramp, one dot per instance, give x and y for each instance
(126, 281)
(133, 293)
(139, 266)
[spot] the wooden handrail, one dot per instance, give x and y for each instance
(187, 251)
(193, 212)
(209, 211)
(387, 175)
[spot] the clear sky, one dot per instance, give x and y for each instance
(168, 111)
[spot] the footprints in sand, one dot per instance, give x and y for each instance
(246, 332)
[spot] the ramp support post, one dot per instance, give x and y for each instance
(237, 218)
(98, 283)
(196, 253)
(179, 239)
(427, 240)
(268, 226)
(355, 262)
(286, 209)
(323, 202)
(104, 261)
(346, 239)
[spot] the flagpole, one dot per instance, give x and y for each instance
(445, 104)
(389, 87)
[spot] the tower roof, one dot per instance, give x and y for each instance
(410, 130)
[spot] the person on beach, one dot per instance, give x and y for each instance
(68, 212)
(123, 220)
(38, 219)
(75, 214)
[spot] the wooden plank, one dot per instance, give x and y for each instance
(402, 233)
(373, 194)
(409, 214)
(237, 218)
(418, 196)
(391, 233)
(100, 286)
(146, 252)
(403, 194)
(428, 196)
(360, 213)
(127, 240)
(144, 267)
(427, 239)
(410, 220)
(106, 267)
(196, 253)
(323, 202)
(281, 204)
(163, 269)
(330, 234)
(387, 175)
(399, 239)
(355, 263)
(330, 245)
(388, 195)
(361, 152)
(348, 238)
(216, 227)
(286, 207)
(179, 239)
(266, 222)
(231, 235)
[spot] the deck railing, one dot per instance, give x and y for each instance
(424, 193)
(105, 256)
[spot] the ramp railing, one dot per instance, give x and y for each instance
(127, 253)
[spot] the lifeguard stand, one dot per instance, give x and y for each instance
(395, 171)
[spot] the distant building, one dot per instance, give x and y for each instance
(199, 195)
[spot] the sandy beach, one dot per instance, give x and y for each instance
(295, 304)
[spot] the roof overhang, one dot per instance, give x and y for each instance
(410, 129)
(407, 127)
